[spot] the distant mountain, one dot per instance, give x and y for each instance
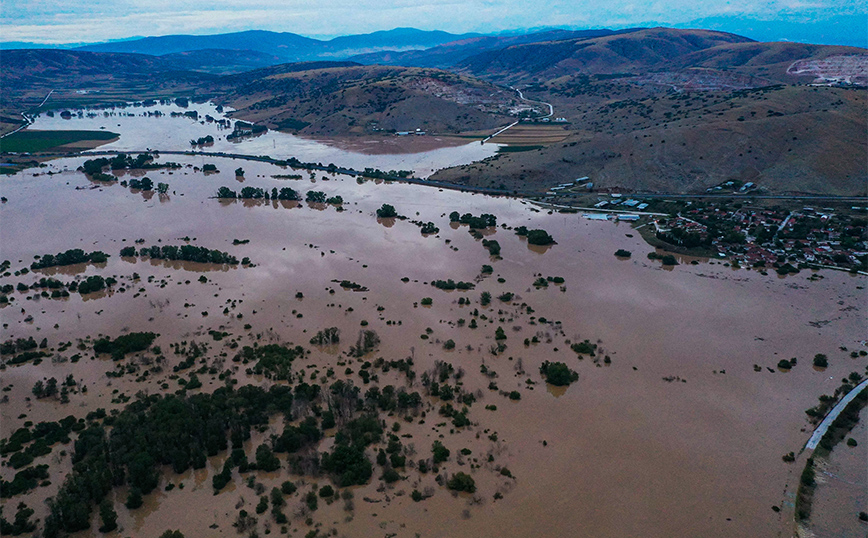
(617, 53)
(219, 61)
(452, 53)
(288, 47)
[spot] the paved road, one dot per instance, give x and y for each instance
(27, 119)
(824, 426)
(523, 98)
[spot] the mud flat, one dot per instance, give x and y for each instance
(676, 434)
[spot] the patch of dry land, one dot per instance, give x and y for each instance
(424, 410)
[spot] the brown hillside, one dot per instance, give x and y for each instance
(793, 139)
(369, 99)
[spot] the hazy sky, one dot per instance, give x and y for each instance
(65, 21)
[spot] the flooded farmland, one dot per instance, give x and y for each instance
(155, 127)
(675, 427)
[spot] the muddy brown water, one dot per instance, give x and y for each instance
(621, 452)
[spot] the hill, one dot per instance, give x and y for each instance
(618, 53)
(452, 53)
(346, 98)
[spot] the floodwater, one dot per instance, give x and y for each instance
(140, 129)
(621, 452)
(841, 485)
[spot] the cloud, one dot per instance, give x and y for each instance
(47, 21)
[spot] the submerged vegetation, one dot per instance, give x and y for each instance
(188, 253)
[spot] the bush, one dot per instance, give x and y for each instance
(461, 482)
(621, 253)
(441, 453)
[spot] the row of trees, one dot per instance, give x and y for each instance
(484, 220)
(189, 253)
(69, 257)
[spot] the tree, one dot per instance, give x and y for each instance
(134, 499)
(226, 192)
(558, 373)
(441, 453)
(539, 237)
(461, 482)
(239, 172)
(317, 197)
(108, 516)
(162, 188)
(266, 460)
(386, 212)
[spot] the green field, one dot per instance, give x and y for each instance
(36, 141)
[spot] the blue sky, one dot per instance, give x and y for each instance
(70, 21)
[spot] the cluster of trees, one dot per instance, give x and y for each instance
(621, 253)
(326, 337)
(25, 444)
(452, 285)
(347, 462)
(366, 342)
(274, 361)
(127, 343)
(122, 161)
(18, 345)
(188, 253)
(667, 259)
(91, 284)
(256, 193)
(69, 257)
(429, 228)
(492, 246)
(484, 220)
(144, 184)
(243, 128)
(558, 373)
(176, 430)
(539, 237)
(584, 348)
(202, 140)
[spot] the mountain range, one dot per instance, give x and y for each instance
(671, 110)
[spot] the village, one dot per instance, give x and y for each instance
(770, 237)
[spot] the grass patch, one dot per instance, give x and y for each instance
(35, 141)
(516, 149)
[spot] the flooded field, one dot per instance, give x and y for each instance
(141, 128)
(675, 427)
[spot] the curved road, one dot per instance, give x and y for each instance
(523, 98)
(824, 426)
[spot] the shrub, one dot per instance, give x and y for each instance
(461, 482)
